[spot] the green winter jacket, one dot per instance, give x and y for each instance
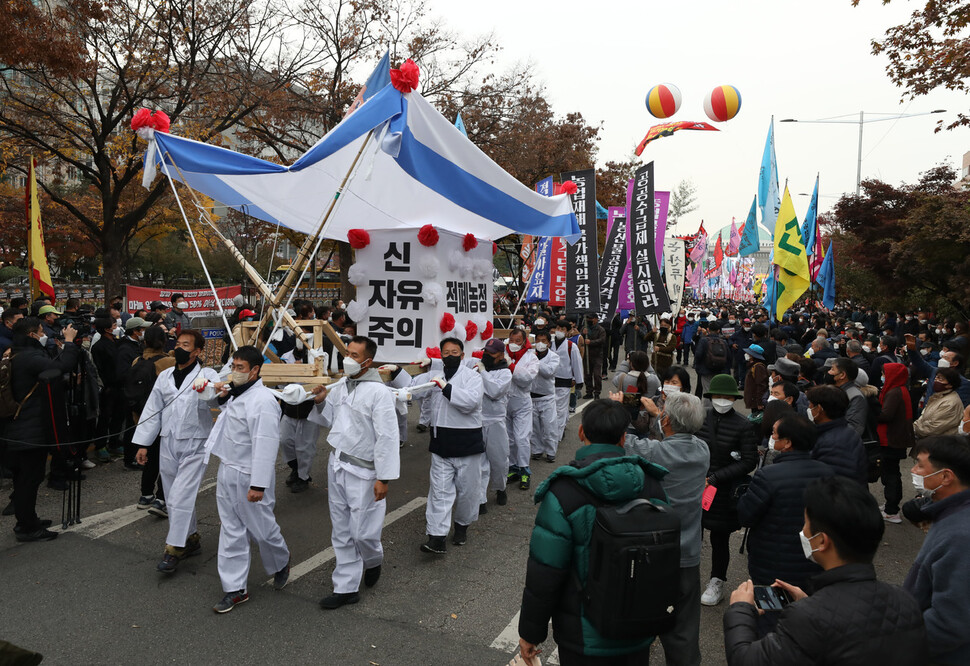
(559, 549)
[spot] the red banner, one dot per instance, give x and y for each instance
(557, 273)
(199, 302)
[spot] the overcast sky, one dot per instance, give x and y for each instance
(807, 59)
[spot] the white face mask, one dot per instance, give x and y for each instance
(670, 389)
(866, 348)
(722, 405)
(351, 367)
(747, 357)
(514, 347)
(118, 331)
(772, 397)
(541, 346)
(771, 443)
(919, 481)
(924, 352)
(943, 363)
(180, 305)
(807, 545)
(540, 322)
(560, 335)
(811, 417)
(239, 378)
(42, 340)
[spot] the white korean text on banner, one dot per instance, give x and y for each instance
(408, 292)
(613, 266)
(199, 302)
(650, 296)
(675, 262)
(538, 287)
(582, 272)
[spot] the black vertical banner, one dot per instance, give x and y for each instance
(582, 272)
(649, 293)
(614, 264)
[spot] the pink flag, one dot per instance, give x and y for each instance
(700, 249)
(735, 239)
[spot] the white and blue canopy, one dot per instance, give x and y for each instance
(418, 169)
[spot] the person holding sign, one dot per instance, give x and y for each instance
(365, 458)
(457, 449)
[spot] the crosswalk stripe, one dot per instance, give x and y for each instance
(324, 556)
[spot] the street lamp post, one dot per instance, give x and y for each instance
(861, 121)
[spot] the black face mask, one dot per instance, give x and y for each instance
(663, 330)
(451, 362)
(182, 356)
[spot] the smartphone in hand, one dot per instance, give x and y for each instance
(771, 599)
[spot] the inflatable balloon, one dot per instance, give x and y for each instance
(663, 100)
(722, 104)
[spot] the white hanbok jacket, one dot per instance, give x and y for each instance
(178, 413)
(246, 435)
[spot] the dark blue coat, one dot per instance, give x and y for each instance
(841, 448)
(773, 507)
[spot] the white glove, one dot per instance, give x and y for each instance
(440, 382)
(402, 395)
(200, 383)
(480, 367)
(423, 362)
(390, 367)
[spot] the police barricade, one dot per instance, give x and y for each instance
(214, 331)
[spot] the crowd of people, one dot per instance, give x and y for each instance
(778, 430)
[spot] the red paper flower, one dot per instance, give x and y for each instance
(471, 329)
(478, 354)
(358, 238)
(405, 78)
(447, 322)
(142, 118)
(428, 236)
(487, 332)
(432, 352)
(470, 242)
(494, 248)
(161, 122)
(569, 187)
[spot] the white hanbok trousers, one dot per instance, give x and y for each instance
(243, 520)
(495, 463)
(562, 407)
(456, 483)
(545, 433)
(181, 464)
(298, 441)
(357, 521)
(520, 432)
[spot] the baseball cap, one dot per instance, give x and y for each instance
(136, 322)
(158, 305)
(48, 309)
(495, 346)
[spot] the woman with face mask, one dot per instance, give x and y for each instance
(732, 441)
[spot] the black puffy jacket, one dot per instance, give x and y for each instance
(724, 434)
(839, 447)
(774, 509)
(851, 619)
(28, 362)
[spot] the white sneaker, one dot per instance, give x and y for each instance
(714, 593)
(87, 464)
(891, 518)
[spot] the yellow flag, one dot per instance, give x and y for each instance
(790, 257)
(40, 274)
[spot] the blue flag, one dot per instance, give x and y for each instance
(538, 289)
(826, 278)
(750, 240)
(460, 124)
(769, 196)
(379, 79)
(809, 226)
(601, 212)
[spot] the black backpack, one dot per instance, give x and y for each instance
(139, 381)
(717, 353)
(632, 584)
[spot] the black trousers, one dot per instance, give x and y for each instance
(151, 480)
(682, 643)
(28, 468)
(111, 418)
(891, 479)
(613, 355)
(720, 554)
(641, 658)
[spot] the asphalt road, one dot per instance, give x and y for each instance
(93, 596)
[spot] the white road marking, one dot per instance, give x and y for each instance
(102, 524)
(324, 556)
(508, 642)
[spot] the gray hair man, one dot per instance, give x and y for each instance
(687, 459)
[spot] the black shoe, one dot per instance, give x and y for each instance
(335, 601)
(524, 481)
(483, 508)
(230, 601)
(461, 535)
(10, 509)
(169, 564)
(42, 525)
(299, 485)
(57, 484)
(281, 578)
(134, 467)
(436, 545)
(537, 456)
(292, 478)
(37, 535)
(501, 497)
(422, 428)
(372, 575)
(550, 459)
(512, 476)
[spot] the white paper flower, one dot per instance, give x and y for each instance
(356, 310)
(432, 293)
(357, 275)
(481, 268)
(455, 260)
(429, 267)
